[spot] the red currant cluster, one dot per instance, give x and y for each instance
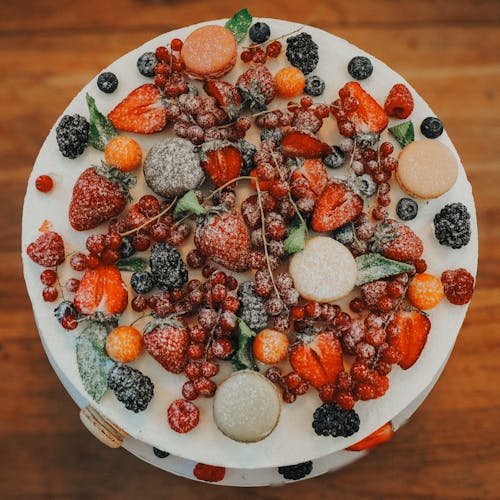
(169, 70)
(200, 374)
(382, 295)
(291, 384)
(260, 53)
(341, 108)
(271, 170)
(48, 277)
(102, 249)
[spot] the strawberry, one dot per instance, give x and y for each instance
(142, 111)
(224, 237)
(257, 86)
(414, 326)
(368, 116)
(167, 341)
(399, 102)
(221, 161)
(101, 290)
(314, 172)
(381, 435)
(301, 144)
(47, 250)
(319, 360)
(99, 194)
(226, 95)
(336, 206)
(398, 242)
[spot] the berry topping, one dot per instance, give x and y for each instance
(64, 310)
(160, 453)
(302, 52)
(131, 387)
(72, 134)
(226, 95)
(209, 473)
(407, 209)
(259, 32)
(398, 242)
(331, 420)
(399, 102)
(452, 225)
(301, 144)
(360, 67)
(296, 472)
(107, 82)
(183, 416)
(315, 85)
(44, 183)
(124, 344)
(142, 281)
(146, 64)
(47, 250)
(167, 267)
(458, 286)
(221, 161)
(431, 127)
(257, 86)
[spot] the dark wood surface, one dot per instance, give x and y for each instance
(448, 50)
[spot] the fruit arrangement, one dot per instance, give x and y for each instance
(284, 255)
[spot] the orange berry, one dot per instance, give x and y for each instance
(290, 82)
(124, 344)
(123, 153)
(270, 346)
(425, 291)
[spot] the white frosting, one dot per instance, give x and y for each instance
(293, 440)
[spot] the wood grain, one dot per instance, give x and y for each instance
(447, 50)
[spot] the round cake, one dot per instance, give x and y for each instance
(162, 216)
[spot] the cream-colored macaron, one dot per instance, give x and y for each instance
(427, 169)
(247, 407)
(324, 271)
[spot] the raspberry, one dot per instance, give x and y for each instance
(183, 416)
(458, 286)
(399, 102)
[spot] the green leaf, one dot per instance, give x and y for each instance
(239, 24)
(93, 364)
(133, 264)
(243, 358)
(188, 204)
(372, 267)
(101, 130)
(404, 133)
(296, 239)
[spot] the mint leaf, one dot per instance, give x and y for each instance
(243, 358)
(239, 24)
(93, 363)
(404, 133)
(296, 239)
(188, 204)
(133, 264)
(372, 267)
(101, 130)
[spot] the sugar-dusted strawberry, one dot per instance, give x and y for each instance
(257, 86)
(166, 340)
(414, 327)
(318, 360)
(224, 237)
(336, 206)
(314, 171)
(221, 161)
(397, 241)
(142, 111)
(47, 250)
(99, 194)
(368, 116)
(226, 95)
(301, 144)
(399, 102)
(101, 290)
(381, 435)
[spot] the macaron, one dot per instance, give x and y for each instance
(427, 169)
(209, 52)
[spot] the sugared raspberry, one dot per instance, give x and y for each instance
(183, 416)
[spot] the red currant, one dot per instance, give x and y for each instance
(188, 391)
(139, 303)
(78, 261)
(69, 322)
(48, 277)
(44, 183)
(176, 44)
(72, 285)
(96, 243)
(49, 294)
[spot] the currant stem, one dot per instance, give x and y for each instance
(139, 318)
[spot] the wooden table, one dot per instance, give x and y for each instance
(448, 50)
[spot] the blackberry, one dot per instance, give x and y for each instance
(252, 310)
(126, 248)
(142, 282)
(146, 64)
(360, 67)
(366, 185)
(315, 85)
(131, 387)
(366, 140)
(335, 159)
(431, 127)
(107, 82)
(259, 32)
(72, 134)
(344, 234)
(272, 134)
(331, 420)
(160, 453)
(407, 209)
(296, 472)
(302, 52)
(452, 225)
(247, 150)
(167, 267)
(65, 308)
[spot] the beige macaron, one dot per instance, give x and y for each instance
(427, 169)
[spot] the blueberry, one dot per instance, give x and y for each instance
(431, 127)
(259, 32)
(107, 82)
(360, 67)
(146, 64)
(160, 453)
(407, 209)
(65, 308)
(335, 159)
(315, 85)
(126, 248)
(272, 134)
(247, 150)
(366, 185)
(344, 234)
(142, 282)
